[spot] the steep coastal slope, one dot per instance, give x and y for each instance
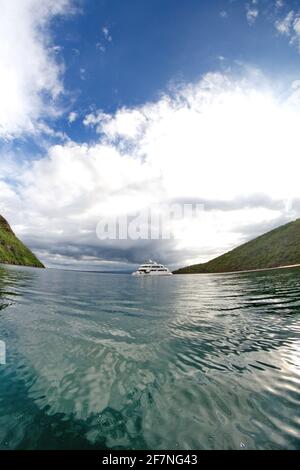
(280, 247)
(12, 250)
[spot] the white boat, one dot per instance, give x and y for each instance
(151, 268)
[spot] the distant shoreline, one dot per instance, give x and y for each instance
(290, 266)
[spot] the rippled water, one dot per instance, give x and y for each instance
(112, 361)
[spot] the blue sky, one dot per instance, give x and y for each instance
(87, 75)
(153, 43)
(125, 53)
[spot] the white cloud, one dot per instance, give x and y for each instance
(107, 38)
(230, 143)
(126, 123)
(44, 129)
(223, 14)
(295, 85)
(29, 69)
(296, 26)
(284, 25)
(72, 117)
(96, 119)
(82, 73)
(106, 33)
(294, 97)
(100, 47)
(252, 14)
(290, 26)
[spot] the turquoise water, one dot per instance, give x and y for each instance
(187, 362)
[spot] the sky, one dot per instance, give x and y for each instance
(109, 108)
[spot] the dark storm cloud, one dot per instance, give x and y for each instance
(118, 251)
(86, 247)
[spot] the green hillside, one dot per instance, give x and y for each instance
(280, 247)
(12, 250)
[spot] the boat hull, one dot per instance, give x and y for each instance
(151, 274)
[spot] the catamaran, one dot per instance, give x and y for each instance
(151, 268)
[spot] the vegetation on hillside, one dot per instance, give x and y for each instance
(12, 250)
(280, 247)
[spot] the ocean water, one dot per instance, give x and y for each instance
(102, 361)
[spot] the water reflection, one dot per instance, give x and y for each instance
(110, 361)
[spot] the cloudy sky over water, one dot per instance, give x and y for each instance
(110, 107)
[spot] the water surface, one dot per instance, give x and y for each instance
(183, 362)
